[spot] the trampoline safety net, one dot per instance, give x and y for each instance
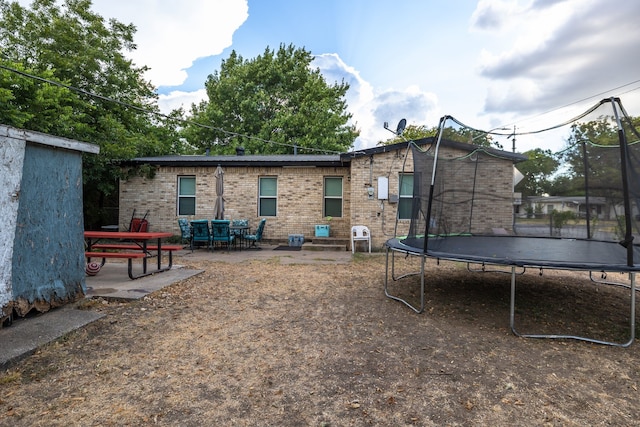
(463, 184)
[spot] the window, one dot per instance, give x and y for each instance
(186, 195)
(405, 201)
(333, 197)
(267, 196)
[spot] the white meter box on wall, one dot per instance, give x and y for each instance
(383, 188)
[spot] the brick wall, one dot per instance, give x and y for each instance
(378, 215)
(299, 204)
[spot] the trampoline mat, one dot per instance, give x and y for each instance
(578, 254)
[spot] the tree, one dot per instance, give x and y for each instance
(270, 104)
(411, 133)
(537, 170)
(592, 155)
(453, 132)
(54, 60)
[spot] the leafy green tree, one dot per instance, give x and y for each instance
(452, 132)
(25, 103)
(537, 170)
(269, 104)
(54, 59)
(411, 133)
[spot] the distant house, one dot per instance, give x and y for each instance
(294, 192)
(41, 238)
(577, 204)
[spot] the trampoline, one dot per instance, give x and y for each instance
(459, 201)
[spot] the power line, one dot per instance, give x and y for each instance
(574, 103)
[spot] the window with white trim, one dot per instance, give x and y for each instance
(186, 195)
(405, 199)
(332, 197)
(267, 196)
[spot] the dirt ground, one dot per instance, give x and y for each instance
(269, 344)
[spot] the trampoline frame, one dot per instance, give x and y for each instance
(392, 249)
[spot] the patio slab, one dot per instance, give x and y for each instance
(113, 282)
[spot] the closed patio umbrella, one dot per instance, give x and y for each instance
(218, 208)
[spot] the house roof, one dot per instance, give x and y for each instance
(578, 200)
(306, 160)
(515, 157)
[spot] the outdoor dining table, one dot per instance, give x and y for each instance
(129, 240)
(241, 230)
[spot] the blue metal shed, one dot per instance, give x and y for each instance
(41, 238)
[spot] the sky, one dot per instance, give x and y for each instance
(488, 63)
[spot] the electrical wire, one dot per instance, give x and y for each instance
(267, 141)
(606, 92)
(159, 114)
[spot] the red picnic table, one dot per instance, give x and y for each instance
(130, 245)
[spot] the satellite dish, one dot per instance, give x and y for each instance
(401, 125)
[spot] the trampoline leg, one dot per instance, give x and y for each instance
(512, 305)
(422, 284)
(632, 317)
(632, 278)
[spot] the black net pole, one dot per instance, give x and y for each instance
(624, 155)
(433, 180)
(473, 191)
(585, 161)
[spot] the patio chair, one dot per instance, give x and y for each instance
(254, 239)
(200, 233)
(220, 233)
(185, 230)
(359, 233)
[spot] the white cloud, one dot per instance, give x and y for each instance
(171, 35)
(180, 99)
(493, 15)
(557, 52)
(370, 110)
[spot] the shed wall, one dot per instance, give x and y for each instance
(48, 254)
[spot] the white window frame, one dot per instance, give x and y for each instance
(403, 197)
(185, 196)
(325, 197)
(262, 197)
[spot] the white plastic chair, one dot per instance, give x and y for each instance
(359, 233)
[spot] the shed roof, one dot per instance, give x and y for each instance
(45, 139)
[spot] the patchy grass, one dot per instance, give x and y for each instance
(266, 343)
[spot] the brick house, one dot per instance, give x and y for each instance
(294, 192)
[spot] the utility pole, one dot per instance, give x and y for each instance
(514, 138)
